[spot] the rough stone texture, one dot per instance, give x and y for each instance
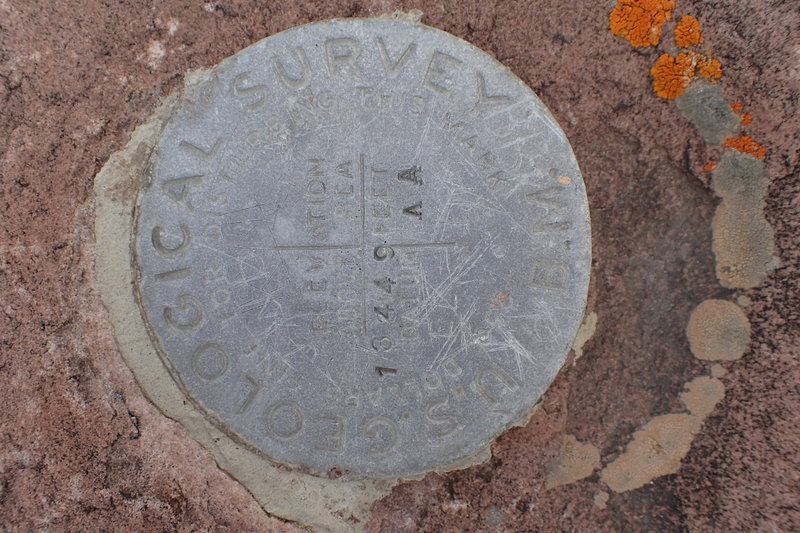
(81, 448)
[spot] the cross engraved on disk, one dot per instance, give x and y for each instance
(380, 252)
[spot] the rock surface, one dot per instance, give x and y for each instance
(83, 449)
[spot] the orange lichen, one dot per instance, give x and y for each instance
(710, 68)
(710, 167)
(687, 32)
(639, 21)
(745, 118)
(672, 75)
(746, 145)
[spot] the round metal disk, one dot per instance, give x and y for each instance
(364, 248)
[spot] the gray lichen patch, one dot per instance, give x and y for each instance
(576, 460)
(718, 330)
(601, 499)
(658, 448)
(718, 371)
(494, 516)
(704, 106)
(743, 240)
(702, 394)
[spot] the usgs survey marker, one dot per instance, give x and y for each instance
(363, 248)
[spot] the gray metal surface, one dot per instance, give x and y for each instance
(364, 247)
